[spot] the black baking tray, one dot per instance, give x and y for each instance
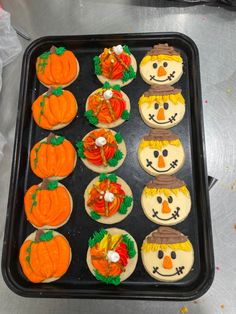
(78, 282)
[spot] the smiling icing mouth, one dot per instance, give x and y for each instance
(173, 164)
(170, 120)
(175, 214)
(179, 271)
(169, 77)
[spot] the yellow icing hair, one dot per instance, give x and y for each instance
(184, 246)
(157, 144)
(174, 98)
(148, 58)
(167, 192)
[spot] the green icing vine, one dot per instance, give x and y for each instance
(113, 162)
(42, 104)
(47, 236)
(108, 280)
(127, 202)
(57, 91)
(95, 215)
(80, 149)
(43, 57)
(130, 245)
(118, 138)
(60, 50)
(28, 250)
(34, 202)
(126, 49)
(97, 65)
(55, 141)
(125, 115)
(128, 75)
(52, 185)
(97, 237)
(36, 153)
(91, 117)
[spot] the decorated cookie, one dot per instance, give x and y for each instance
(112, 255)
(57, 67)
(166, 200)
(161, 152)
(107, 107)
(162, 65)
(48, 205)
(162, 106)
(115, 65)
(102, 150)
(54, 109)
(45, 256)
(167, 254)
(108, 199)
(53, 157)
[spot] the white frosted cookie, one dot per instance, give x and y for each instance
(166, 200)
(107, 107)
(161, 152)
(167, 254)
(115, 65)
(112, 255)
(162, 106)
(161, 65)
(102, 150)
(108, 199)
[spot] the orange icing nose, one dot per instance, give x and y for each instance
(165, 208)
(161, 71)
(161, 162)
(161, 114)
(167, 262)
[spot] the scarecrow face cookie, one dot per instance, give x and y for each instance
(161, 152)
(166, 200)
(167, 254)
(115, 65)
(108, 199)
(162, 106)
(112, 255)
(161, 65)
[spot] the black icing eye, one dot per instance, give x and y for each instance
(159, 199)
(170, 199)
(165, 64)
(166, 105)
(173, 255)
(156, 105)
(165, 152)
(160, 254)
(154, 65)
(156, 153)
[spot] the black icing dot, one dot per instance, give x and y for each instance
(165, 152)
(165, 64)
(173, 255)
(156, 153)
(154, 65)
(170, 199)
(159, 199)
(166, 105)
(156, 105)
(160, 254)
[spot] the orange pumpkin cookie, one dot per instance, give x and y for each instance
(102, 150)
(108, 199)
(57, 67)
(53, 158)
(45, 256)
(55, 109)
(112, 255)
(48, 205)
(107, 107)
(116, 65)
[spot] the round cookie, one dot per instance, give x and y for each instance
(57, 67)
(166, 200)
(54, 252)
(112, 255)
(54, 109)
(161, 65)
(116, 65)
(162, 106)
(107, 107)
(48, 205)
(53, 158)
(167, 254)
(108, 199)
(102, 150)
(161, 152)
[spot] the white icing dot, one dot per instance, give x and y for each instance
(108, 94)
(113, 256)
(100, 141)
(118, 49)
(109, 197)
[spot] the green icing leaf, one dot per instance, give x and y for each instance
(106, 85)
(114, 280)
(116, 87)
(118, 137)
(95, 215)
(52, 185)
(55, 141)
(128, 75)
(57, 91)
(47, 236)
(97, 65)
(37, 152)
(130, 245)
(125, 115)
(97, 237)
(60, 50)
(123, 209)
(127, 202)
(112, 177)
(91, 117)
(102, 177)
(126, 49)
(113, 162)
(118, 155)
(80, 149)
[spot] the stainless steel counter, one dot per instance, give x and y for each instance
(213, 30)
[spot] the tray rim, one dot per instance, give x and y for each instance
(84, 293)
